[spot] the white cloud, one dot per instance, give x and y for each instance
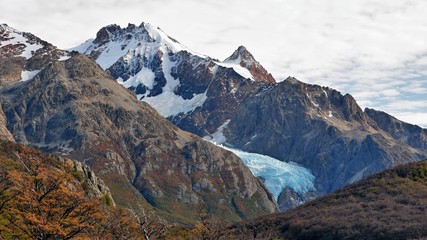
(406, 105)
(418, 118)
(355, 46)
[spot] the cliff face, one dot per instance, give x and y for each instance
(4, 132)
(75, 108)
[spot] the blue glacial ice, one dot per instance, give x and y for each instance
(278, 175)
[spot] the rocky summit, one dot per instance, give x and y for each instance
(75, 108)
(236, 102)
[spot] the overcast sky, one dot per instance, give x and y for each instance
(375, 50)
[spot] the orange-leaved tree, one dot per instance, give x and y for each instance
(45, 203)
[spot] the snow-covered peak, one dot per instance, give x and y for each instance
(18, 43)
(165, 40)
(4, 27)
(113, 42)
(160, 70)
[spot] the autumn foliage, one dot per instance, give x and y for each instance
(41, 198)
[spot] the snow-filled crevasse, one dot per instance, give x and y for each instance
(277, 175)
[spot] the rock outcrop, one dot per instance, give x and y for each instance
(4, 132)
(410, 134)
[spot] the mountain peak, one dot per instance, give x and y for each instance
(241, 56)
(4, 27)
(22, 54)
(112, 42)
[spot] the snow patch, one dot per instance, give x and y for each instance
(326, 94)
(17, 38)
(28, 75)
(169, 104)
(237, 68)
(218, 136)
(82, 48)
(63, 58)
(315, 104)
(145, 76)
(117, 47)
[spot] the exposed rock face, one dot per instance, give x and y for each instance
(410, 134)
(96, 188)
(4, 132)
(75, 108)
(21, 53)
(245, 59)
(320, 129)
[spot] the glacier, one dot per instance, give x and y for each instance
(277, 175)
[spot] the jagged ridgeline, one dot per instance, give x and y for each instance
(75, 108)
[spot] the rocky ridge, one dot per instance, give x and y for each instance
(75, 108)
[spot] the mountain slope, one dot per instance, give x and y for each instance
(238, 101)
(388, 205)
(22, 55)
(73, 107)
(318, 128)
